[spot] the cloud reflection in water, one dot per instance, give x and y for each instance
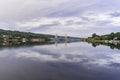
(80, 53)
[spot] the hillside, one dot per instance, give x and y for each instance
(23, 34)
(111, 36)
(28, 35)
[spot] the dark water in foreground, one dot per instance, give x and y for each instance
(76, 61)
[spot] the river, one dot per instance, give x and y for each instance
(72, 61)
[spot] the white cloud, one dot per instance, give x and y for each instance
(26, 15)
(76, 25)
(35, 23)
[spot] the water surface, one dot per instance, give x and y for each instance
(74, 61)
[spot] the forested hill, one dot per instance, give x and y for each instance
(110, 36)
(28, 34)
(23, 34)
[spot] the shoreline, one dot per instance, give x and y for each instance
(106, 41)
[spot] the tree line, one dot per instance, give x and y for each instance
(14, 34)
(111, 36)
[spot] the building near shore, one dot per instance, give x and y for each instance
(5, 38)
(24, 40)
(37, 40)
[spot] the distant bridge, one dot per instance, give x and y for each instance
(68, 39)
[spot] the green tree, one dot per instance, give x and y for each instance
(94, 35)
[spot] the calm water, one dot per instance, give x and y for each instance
(76, 61)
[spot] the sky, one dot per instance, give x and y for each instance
(78, 18)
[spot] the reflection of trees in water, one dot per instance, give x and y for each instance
(21, 44)
(95, 44)
(111, 45)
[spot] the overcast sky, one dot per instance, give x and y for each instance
(75, 17)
